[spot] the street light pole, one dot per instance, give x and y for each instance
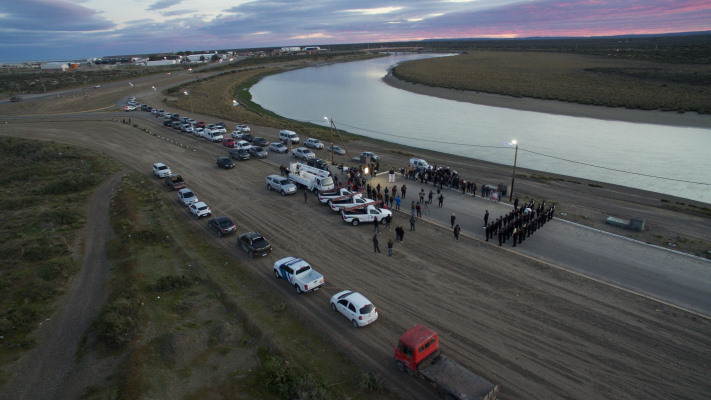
(191, 101)
(513, 176)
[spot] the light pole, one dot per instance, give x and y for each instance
(513, 176)
(191, 101)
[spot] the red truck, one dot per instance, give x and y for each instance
(417, 353)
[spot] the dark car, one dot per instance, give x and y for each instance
(175, 117)
(222, 225)
(168, 122)
(225, 162)
(16, 99)
(247, 137)
(260, 141)
(258, 152)
(318, 163)
(239, 154)
(254, 243)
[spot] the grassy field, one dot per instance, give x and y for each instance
(45, 189)
(585, 79)
(192, 322)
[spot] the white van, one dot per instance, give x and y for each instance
(419, 163)
(213, 136)
(285, 135)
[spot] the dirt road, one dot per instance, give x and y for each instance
(539, 332)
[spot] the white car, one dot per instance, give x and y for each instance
(354, 306)
(200, 209)
(236, 135)
(199, 132)
(303, 153)
(242, 128)
(242, 144)
(187, 197)
(219, 129)
(280, 184)
(313, 143)
(161, 170)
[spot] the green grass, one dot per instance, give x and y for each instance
(45, 189)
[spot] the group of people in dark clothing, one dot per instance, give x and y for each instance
(520, 223)
(440, 176)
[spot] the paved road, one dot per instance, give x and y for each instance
(672, 277)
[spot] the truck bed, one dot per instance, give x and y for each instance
(458, 381)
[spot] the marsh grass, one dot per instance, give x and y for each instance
(584, 79)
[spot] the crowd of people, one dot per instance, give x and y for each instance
(518, 224)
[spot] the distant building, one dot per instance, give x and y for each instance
(59, 66)
(290, 49)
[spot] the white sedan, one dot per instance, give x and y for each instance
(187, 197)
(200, 209)
(242, 128)
(354, 306)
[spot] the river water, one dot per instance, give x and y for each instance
(665, 159)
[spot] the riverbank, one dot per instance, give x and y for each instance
(688, 119)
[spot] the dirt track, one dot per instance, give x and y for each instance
(539, 332)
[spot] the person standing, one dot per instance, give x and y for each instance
(398, 200)
(387, 220)
(390, 247)
(306, 195)
(441, 199)
(412, 208)
(456, 232)
(402, 234)
(486, 218)
(376, 249)
(403, 189)
(376, 227)
(452, 219)
(418, 207)
(412, 223)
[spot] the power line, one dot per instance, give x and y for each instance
(528, 151)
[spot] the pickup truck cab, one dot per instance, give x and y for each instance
(175, 181)
(369, 213)
(338, 194)
(254, 244)
(299, 274)
(348, 202)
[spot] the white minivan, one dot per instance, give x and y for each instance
(419, 163)
(285, 135)
(213, 136)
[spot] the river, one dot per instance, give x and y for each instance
(660, 158)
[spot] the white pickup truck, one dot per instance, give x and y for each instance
(368, 213)
(299, 274)
(338, 194)
(338, 205)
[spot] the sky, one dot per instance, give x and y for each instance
(46, 30)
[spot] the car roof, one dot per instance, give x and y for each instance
(223, 218)
(158, 164)
(357, 299)
(184, 190)
(199, 204)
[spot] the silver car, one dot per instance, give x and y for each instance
(278, 147)
(280, 184)
(256, 151)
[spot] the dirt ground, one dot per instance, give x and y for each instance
(539, 332)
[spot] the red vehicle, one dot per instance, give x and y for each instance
(228, 142)
(200, 124)
(417, 353)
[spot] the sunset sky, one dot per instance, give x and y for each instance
(46, 30)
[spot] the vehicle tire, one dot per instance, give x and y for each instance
(333, 307)
(298, 289)
(355, 222)
(276, 274)
(355, 324)
(251, 254)
(401, 366)
(219, 233)
(283, 193)
(269, 187)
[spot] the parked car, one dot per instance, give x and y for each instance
(354, 306)
(278, 147)
(200, 124)
(313, 143)
(255, 244)
(258, 152)
(242, 128)
(336, 150)
(260, 141)
(239, 154)
(370, 154)
(317, 163)
(161, 170)
(167, 115)
(200, 209)
(236, 135)
(199, 132)
(16, 99)
(302, 153)
(168, 122)
(187, 128)
(228, 142)
(222, 225)
(280, 184)
(286, 135)
(129, 108)
(225, 162)
(246, 137)
(242, 144)
(187, 197)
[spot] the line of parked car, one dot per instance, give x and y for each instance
(296, 271)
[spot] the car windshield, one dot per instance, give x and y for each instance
(367, 309)
(327, 181)
(188, 195)
(283, 181)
